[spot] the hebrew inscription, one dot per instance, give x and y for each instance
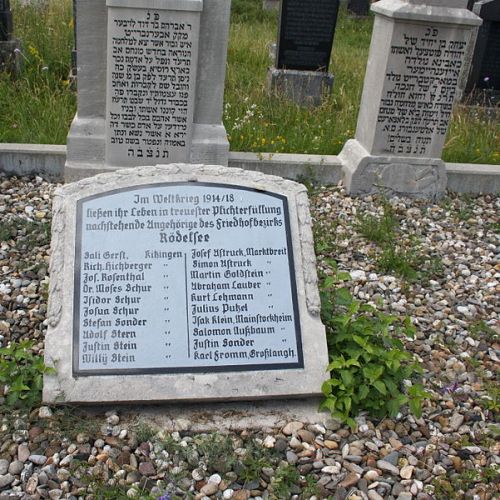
(420, 85)
(152, 58)
(184, 277)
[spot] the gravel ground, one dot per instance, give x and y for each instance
(452, 451)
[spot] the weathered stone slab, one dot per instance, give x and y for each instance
(417, 56)
(181, 283)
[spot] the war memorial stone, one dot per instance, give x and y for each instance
(150, 84)
(305, 39)
(485, 71)
(417, 56)
(183, 282)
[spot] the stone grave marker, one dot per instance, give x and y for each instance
(150, 84)
(305, 38)
(485, 70)
(182, 283)
(416, 59)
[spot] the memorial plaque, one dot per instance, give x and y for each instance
(184, 277)
(183, 282)
(151, 80)
(420, 84)
(306, 34)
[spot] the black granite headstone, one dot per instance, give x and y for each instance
(485, 68)
(306, 34)
(359, 7)
(73, 52)
(5, 21)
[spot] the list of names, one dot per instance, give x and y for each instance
(185, 277)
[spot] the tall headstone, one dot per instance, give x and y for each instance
(9, 47)
(359, 7)
(305, 39)
(150, 84)
(415, 62)
(183, 282)
(485, 70)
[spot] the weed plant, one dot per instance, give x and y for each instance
(369, 367)
(21, 375)
(39, 105)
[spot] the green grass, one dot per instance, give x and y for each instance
(39, 105)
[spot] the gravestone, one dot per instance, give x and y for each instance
(359, 7)
(305, 39)
(9, 47)
(150, 84)
(183, 282)
(416, 59)
(485, 70)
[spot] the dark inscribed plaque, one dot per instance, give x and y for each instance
(306, 34)
(5, 21)
(489, 76)
(184, 277)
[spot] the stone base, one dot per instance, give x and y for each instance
(209, 145)
(365, 174)
(10, 59)
(305, 88)
(87, 145)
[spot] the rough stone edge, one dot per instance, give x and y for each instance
(235, 416)
(48, 161)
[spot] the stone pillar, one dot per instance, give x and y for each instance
(306, 30)
(414, 66)
(150, 84)
(9, 47)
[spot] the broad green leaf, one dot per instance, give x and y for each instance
(380, 386)
(347, 377)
